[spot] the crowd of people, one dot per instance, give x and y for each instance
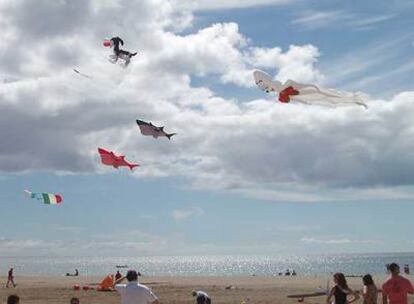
(395, 290)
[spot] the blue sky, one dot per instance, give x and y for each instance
(244, 175)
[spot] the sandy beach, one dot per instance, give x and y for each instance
(46, 289)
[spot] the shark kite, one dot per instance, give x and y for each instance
(148, 129)
(110, 159)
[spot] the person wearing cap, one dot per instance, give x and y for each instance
(396, 288)
(201, 297)
(133, 292)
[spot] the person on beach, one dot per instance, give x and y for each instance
(201, 297)
(13, 299)
(10, 278)
(118, 275)
(74, 301)
(396, 288)
(133, 292)
(370, 291)
(341, 291)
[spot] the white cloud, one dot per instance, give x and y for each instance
(314, 20)
(56, 120)
(182, 214)
(338, 241)
(228, 4)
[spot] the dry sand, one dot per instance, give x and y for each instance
(173, 290)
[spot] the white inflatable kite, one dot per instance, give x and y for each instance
(306, 93)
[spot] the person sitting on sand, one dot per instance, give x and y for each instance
(201, 297)
(341, 291)
(13, 299)
(133, 292)
(118, 275)
(10, 278)
(73, 275)
(74, 301)
(370, 291)
(396, 288)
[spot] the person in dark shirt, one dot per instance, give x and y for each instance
(341, 291)
(10, 278)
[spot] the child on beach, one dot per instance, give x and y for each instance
(370, 291)
(341, 291)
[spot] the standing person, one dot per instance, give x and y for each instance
(10, 278)
(133, 292)
(396, 288)
(341, 291)
(13, 299)
(370, 291)
(201, 297)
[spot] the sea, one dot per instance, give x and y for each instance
(222, 265)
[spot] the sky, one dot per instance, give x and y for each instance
(244, 174)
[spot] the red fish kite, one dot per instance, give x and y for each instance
(110, 159)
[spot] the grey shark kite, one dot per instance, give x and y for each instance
(148, 129)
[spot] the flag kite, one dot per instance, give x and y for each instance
(47, 198)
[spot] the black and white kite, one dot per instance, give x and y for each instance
(148, 129)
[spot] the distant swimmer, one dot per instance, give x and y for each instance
(10, 278)
(201, 297)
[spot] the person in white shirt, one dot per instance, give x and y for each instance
(133, 292)
(201, 297)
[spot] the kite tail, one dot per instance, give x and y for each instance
(170, 135)
(131, 167)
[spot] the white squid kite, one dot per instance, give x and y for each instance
(306, 93)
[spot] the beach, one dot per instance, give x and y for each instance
(174, 290)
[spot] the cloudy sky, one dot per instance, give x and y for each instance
(245, 174)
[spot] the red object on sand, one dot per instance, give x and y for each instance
(284, 96)
(110, 159)
(76, 287)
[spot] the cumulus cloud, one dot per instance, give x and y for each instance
(56, 119)
(227, 4)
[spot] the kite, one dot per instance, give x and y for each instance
(118, 53)
(47, 198)
(148, 129)
(110, 159)
(84, 75)
(306, 93)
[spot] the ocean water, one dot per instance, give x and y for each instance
(225, 265)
